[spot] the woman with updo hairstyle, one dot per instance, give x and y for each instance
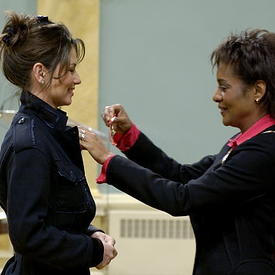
(43, 188)
(229, 196)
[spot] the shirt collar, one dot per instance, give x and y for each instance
(260, 125)
(54, 118)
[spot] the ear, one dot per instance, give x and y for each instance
(260, 89)
(39, 72)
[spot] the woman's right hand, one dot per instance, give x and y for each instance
(94, 144)
(116, 118)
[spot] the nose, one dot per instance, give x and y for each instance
(77, 79)
(217, 97)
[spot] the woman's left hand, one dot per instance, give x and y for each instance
(104, 237)
(110, 251)
(94, 144)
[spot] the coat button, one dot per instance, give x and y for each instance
(21, 120)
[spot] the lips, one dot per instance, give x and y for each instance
(222, 109)
(71, 90)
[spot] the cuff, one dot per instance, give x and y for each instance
(125, 141)
(92, 229)
(102, 177)
(97, 252)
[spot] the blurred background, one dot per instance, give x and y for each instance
(152, 56)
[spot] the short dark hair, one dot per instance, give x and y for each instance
(26, 40)
(251, 55)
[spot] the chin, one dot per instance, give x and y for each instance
(226, 123)
(68, 102)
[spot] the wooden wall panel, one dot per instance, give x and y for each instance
(82, 18)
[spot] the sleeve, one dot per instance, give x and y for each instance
(28, 191)
(102, 177)
(246, 175)
(147, 155)
(125, 141)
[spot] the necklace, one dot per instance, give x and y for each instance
(226, 155)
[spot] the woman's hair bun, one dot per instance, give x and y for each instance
(16, 30)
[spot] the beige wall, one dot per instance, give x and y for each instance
(82, 18)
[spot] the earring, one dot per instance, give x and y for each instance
(257, 100)
(42, 81)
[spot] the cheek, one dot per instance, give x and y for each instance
(63, 89)
(235, 101)
(67, 81)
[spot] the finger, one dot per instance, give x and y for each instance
(110, 241)
(115, 253)
(105, 119)
(82, 136)
(106, 113)
(109, 112)
(117, 108)
(91, 136)
(100, 266)
(82, 133)
(113, 119)
(82, 145)
(113, 242)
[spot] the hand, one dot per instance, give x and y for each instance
(94, 144)
(116, 117)
(109, 250)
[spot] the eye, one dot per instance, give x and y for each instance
(223, 88)
(72, 68)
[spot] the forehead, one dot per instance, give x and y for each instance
(226, 75)
(225, 71)
(73, 56)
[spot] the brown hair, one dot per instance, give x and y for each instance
(251, 55)
(27, 40)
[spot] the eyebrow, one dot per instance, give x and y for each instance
(223, 82)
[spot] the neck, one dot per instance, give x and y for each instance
(42, 94)
(253, 120)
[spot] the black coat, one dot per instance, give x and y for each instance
(44, 193)
(231, 205)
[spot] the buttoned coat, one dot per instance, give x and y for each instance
(44, 193)
(231, 203)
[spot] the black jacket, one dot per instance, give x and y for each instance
(44, 193)
(231, 205)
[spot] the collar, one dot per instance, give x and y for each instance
(54, 118)
(259, 126)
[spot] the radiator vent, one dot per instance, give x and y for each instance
(159, 241)
(156, 228)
